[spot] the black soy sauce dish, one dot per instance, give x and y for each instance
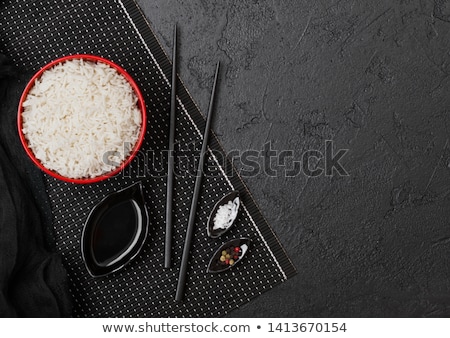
(217, 226)
(228, 255)
(115, 231)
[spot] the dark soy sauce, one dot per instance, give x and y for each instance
(115, 231)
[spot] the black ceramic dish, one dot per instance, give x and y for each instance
(115, 231)
(214, 233)
(216, 264)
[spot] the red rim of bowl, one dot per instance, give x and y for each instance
(141, 104)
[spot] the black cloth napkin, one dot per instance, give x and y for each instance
(33, 281)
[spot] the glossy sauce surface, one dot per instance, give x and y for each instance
(115, 231)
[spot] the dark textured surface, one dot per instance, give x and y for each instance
(372, 77)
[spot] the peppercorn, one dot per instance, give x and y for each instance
(230, 255)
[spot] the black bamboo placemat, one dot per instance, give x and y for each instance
(33, 33)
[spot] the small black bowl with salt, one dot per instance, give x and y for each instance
(223, 215)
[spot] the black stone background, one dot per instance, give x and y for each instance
(373, 76)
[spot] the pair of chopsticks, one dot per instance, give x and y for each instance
(198, 181)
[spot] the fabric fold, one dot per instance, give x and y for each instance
(33, 281)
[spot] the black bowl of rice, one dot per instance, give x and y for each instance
(82, 118)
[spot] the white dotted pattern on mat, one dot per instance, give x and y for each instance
(51, 29)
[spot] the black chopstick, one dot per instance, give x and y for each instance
(198, 182)
(170, 157)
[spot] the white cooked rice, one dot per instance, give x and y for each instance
(77, 112)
